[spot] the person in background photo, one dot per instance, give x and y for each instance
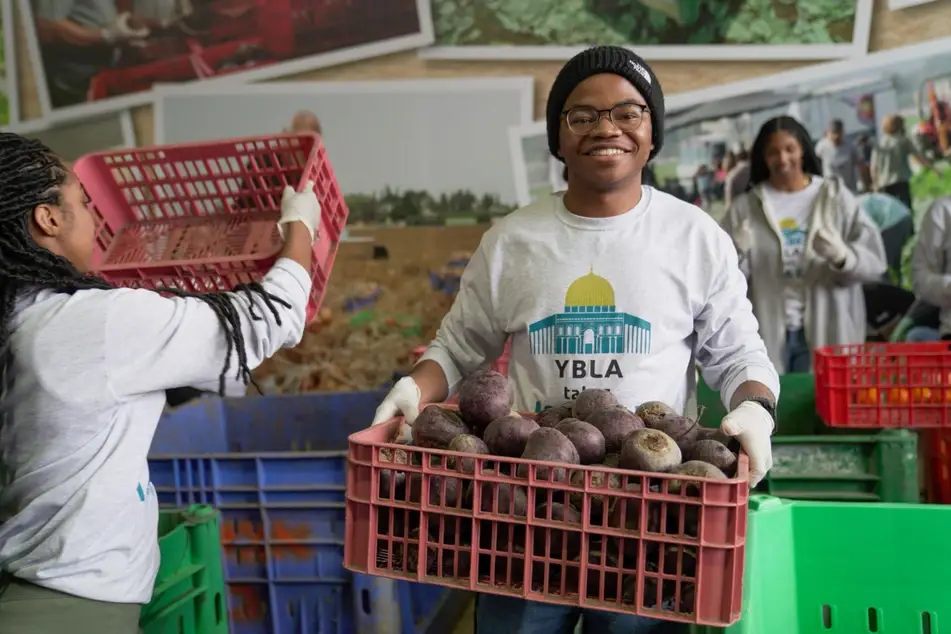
(931, 269)
(78, 39)
(839, 157)
(865, 145)
(609, 246)
(304, 121)
(805, 246)
(891, 160)
(896, 224)
(737, 179)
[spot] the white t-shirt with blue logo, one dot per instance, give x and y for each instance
(791, 211)
(626, 303)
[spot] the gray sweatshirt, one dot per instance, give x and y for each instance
(627, 303)
(77, 511)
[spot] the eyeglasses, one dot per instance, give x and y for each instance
(583, 120)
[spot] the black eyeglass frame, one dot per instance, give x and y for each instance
(643, 108)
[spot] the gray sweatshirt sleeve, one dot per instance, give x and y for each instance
(470, 334)
(928, 267)
(730, 350)
(156, 343)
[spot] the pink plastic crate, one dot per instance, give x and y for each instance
(642, 544)
(202, 217)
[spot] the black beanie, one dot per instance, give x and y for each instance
(606, 59)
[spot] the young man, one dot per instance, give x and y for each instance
(612, 285)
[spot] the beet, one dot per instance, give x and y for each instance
(436, 426)
(684, 430)
(507, 436)
(650, 411)
(549, 445)
(484, 397)
(586, 438)
(650, 450)
(590, 401)
(551, 416)
(466, 443)
(569, 540)
(714, 453)
(615, 423)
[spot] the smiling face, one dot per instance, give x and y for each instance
(601, 155)
(784, 158)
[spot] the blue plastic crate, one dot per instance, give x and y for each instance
(275, 467)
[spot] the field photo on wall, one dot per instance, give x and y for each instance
(9, 96)
(73, 139)
(657, 29)
(129, 47)
(405, 152)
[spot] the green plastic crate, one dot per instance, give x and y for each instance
(189, 595)
(830, 568)
(796, 414)
(814, 462)
(882, 467)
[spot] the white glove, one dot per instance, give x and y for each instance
(403, 399)
(743, 237)
(829, 245)
(120, 31)
(752, 425)
(300, 207)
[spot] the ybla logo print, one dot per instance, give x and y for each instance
(590, 324)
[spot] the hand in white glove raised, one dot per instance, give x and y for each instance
(300, 207)
(830, 246)
(121, 31)
(752, 425)
(403, 399)
(743, 237)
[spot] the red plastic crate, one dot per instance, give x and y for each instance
(685, 544)
(202, 217)
(884, 385)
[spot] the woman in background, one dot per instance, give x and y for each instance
(804, 246)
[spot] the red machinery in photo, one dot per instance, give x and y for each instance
(220, 37)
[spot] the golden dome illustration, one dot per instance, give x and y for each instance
(590, 290)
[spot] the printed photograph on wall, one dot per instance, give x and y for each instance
(73, 139)
(405, 152)
(872, 120)
(657, 29)
(9, 95)
(536, 172)
(106, 55)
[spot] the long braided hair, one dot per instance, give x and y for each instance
(30, 175)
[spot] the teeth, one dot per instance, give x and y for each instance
(607, 152)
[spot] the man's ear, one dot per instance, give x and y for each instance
(47, 220)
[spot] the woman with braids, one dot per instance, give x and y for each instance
(83, 370)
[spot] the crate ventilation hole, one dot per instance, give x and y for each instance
(874, 618)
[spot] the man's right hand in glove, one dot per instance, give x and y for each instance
(121, 31)
(403, 399)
